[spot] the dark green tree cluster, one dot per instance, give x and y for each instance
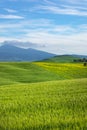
(80, 60)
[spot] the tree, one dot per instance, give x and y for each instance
(85, 63)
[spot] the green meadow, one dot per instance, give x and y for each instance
(43, 96)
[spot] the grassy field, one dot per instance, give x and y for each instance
(65, 70)
(39, 71)
(52, 105)
(23, 73)
(43, 96)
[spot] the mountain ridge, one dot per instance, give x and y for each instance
(14, 53)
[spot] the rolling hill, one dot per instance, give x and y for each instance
(43, 96)
(13, 53)
(62, 58)
(25, 72)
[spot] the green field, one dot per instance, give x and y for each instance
(43, 96)
(23, 73)
(65, 70)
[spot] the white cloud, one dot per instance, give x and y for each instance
(61, 10)
(10, 10)
(74, 7)
(69, 7)
(3, 38)
(49, 2)
(22, 44)
(2, 16)
(59, 44)
(75, 43)
(77, 2)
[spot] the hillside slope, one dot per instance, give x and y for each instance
(61, 58)
(23, 72)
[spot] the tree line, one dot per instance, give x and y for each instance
(83, 60)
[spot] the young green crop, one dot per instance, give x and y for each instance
(54, 105)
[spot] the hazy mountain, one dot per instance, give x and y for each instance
(13, 53)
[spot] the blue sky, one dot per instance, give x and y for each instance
(56, 26)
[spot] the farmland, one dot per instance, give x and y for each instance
(43, 96)
(25, 72)
(65, 70)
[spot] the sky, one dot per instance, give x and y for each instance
(56, 26)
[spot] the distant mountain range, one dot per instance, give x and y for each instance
(13, 53)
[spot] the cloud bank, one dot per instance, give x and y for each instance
(55, 26)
